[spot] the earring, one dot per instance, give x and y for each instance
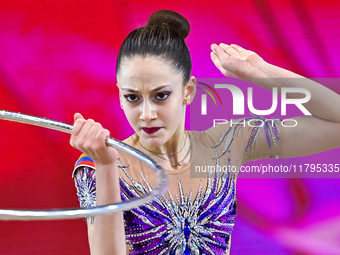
(187, 101)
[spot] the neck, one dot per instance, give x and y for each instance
(174, 152)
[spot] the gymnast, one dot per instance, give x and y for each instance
(196, 215)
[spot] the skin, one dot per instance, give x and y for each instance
(147, 79)
(152, 95)
(235, 61)
(89, 137)
(148, 87)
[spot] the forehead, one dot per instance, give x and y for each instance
(147, 72)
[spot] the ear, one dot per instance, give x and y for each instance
(190, 90)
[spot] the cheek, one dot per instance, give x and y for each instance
(173, 113)
(132, 116)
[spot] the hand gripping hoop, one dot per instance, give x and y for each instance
(161, 186)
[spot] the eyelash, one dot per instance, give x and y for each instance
(167, 94)
(128, 97)
(131, 101)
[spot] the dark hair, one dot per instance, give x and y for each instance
(163, 36)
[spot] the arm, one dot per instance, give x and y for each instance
(321, 129)
(106, 235)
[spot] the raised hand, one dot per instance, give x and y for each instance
(235, 61)
(90, 137)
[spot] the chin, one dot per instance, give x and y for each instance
(153, 141)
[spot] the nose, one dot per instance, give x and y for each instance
(148, 111)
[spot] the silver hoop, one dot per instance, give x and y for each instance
(161, 186)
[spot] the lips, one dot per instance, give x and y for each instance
(151, 130)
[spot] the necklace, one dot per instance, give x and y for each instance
(173, 164)
(172, 153)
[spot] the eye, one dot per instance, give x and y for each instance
(131, 98)
(162, 95)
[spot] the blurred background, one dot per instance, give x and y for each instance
(58, 58)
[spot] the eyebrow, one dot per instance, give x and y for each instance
(154, 90)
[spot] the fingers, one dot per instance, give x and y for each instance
(77, 116)
(77, 126)
(236, 47)
(234, 61)
(215, 60)
(90, 137)
(79, 121)
(217, 49)
(87, 132)
(229, 49)
(93, 138)
(102, 135)
(220, 54)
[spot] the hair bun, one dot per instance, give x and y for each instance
(173, 20)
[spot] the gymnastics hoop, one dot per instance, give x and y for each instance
(161, 186)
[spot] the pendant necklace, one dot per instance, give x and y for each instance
(173, 164)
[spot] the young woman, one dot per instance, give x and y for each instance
(197, 215)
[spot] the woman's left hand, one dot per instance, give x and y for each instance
(235, 61)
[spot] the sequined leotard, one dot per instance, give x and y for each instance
(186, 223)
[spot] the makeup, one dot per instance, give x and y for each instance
(151, 130)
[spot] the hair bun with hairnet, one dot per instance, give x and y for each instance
(173, 20)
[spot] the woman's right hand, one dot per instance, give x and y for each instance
(90, 137)
(106, 234)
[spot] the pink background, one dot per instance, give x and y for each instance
(58, 57)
